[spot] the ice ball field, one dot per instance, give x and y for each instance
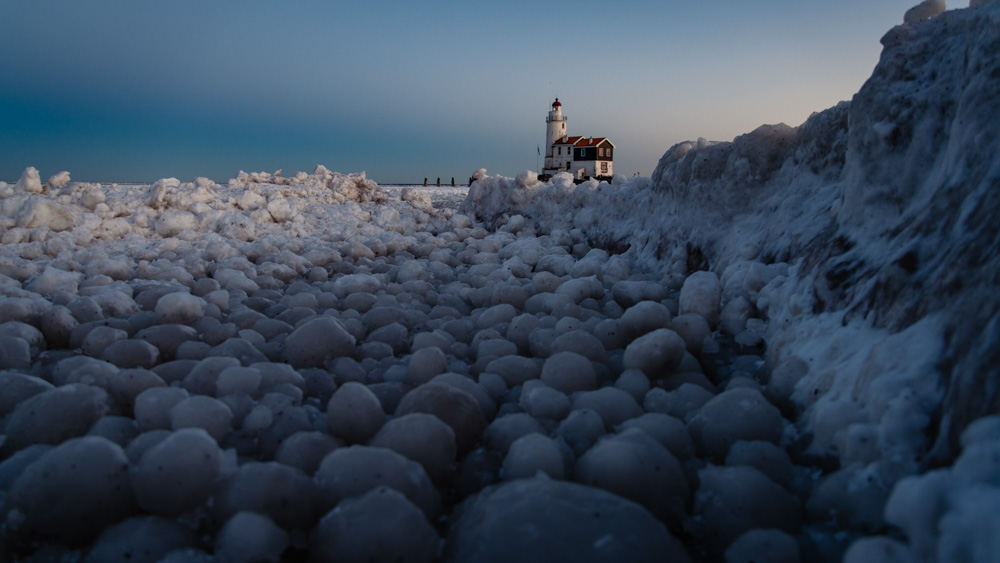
(780, 348)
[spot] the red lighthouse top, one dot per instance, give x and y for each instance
(556, 103)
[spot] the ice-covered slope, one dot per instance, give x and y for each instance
(882, 213)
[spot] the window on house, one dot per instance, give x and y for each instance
(604, 167)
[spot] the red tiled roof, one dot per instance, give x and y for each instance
(579, 141)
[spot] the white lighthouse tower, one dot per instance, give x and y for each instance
(555, 129)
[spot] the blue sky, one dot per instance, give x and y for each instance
(135, 90)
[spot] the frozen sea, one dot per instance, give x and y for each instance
(779, 348)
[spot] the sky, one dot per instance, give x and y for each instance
(136, 90)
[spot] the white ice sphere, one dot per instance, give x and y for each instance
(581, 342)
(305, 450)
(29, 183)
(52, 280)
(737, 414)
(285, 494)
(316, 341)
(356, 283)
(179, 308)
(924, 11)
(199, 411)
(281, 210)
(173, 221)
(531, 454)
(70, 493)
(54, 416)
(380, 525)
(702, 294)
(424, 438)
(38, 212)
(237, 380)
(670, 432)
(630, 292)
(969, 530)
(758, 545)
(465, 383)
(455, 407)
(569, 372)
(152, 407)
(613, 405)
(693, 329)
(734, 315)
(734, 500)
(580, 430)
(59, 179)
(354, 413)
(100, 338)
(131, 353)
(15, 353)
(506, 429)
(250, 537)
(514, 370)
(237, 227)
(985, 429)
(545, 519)
(634, 465)
(644, 317)
(141, 539)
(916, 505)
(202, 377)
(579, 289)
(880, 549)
(177, 474)
(633, 382)
(355, 470)
(18, 387)
(657, 353)
(542, 401)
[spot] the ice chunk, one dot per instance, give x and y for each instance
(613, 405)
(770, 545)
(173, 221)
(456, 408)
(634, 465)
(355, 470)
(518, 520)
(29, 183)
(568, 372)
(531, 454)
(735, 500)
(306, 449)
(317, 341)
(70, 494)
(657, 353)
(380, 525)
(424, 438)
(924, 11)
(702, 294)
(737, 414)
(177, 474)
(54, 416)
(643, 317)
(248, 537)
(354, 413)
(203, 412)
(179, 308)
(283, 493)
(141, 539)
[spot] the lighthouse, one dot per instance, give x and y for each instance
(555, 129)
(583, 157)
